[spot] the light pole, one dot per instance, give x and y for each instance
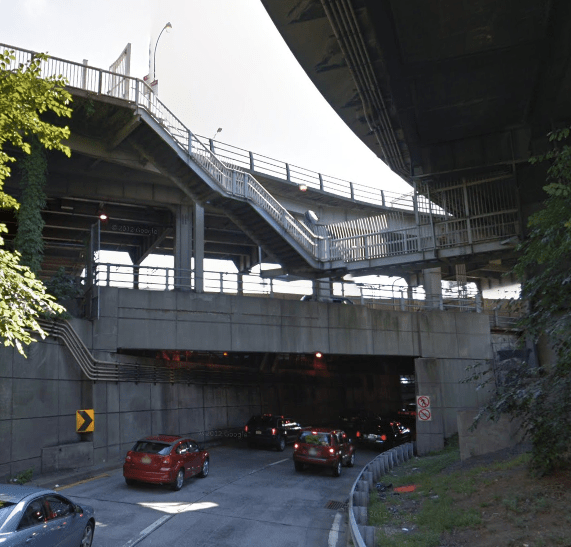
(168, 25)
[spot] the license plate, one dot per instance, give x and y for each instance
(258, 432)
(313, 451)
(145, 459)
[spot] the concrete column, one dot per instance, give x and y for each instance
(183, 247)
(322, 288)
(198, 248)
(433, 288)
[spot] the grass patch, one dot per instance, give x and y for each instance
(486, 501)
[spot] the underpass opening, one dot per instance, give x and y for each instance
(312, 388)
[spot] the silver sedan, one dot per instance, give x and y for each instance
(42, 518)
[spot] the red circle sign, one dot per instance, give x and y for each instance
(423, 402)
(424, 415)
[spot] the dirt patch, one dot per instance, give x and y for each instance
(502, 504)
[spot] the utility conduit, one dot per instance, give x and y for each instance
(96, 369)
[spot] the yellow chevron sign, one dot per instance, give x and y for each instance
(84, 420)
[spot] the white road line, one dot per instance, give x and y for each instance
(276, 463)
(334, 532)
(266, 466)
(148, 530)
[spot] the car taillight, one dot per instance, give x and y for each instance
(332, 450)
(273, 430)
(295, 446)
(167, 461)
(246, 429)
(383, 437)
(358, 434)
(127, 458)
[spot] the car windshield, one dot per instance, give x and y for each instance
(152, 447)
(5, 510)
(315, 438)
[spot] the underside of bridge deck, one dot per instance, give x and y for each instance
(441, 90)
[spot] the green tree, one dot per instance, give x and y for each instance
(540, 394)
(25, 98)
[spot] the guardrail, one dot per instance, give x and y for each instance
(363, 535)
(396, 297)
(504, 314)
(294, 174)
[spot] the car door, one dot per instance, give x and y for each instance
(61, 519)
(33, 528)
(194, 457)
(344, 447)
(182, 458)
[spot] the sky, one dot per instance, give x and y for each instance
(222, 65)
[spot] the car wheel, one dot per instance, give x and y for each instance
(130, 482)
(337, 469)
(351, 461)
(205, 466)
(179, 480)
(281, 444)
(298, 466)
(87, 538)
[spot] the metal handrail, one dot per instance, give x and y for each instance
(429, 233)
(375, 296)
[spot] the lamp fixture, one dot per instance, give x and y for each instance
(216, 134)
(102, 215)
(167, 26)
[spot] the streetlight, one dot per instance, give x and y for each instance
(168, 25)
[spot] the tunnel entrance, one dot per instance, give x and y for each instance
(311, 388)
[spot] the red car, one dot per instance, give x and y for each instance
(323, 446)
(165, 459)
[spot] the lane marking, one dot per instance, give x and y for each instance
(148, 530)
(266, 466)
(334, 532)
(81, 482)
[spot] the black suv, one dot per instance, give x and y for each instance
(271, 430)
(382, 434)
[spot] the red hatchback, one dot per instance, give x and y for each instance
(165, 459)
(323, 446)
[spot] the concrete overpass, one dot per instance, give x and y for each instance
(136, 159)
(166, 192)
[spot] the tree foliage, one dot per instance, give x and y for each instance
(540, 393)
(25, 98)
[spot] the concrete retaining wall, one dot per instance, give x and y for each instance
(39, 397)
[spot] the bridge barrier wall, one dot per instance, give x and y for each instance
(222, 322)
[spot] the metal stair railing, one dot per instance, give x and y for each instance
(130, 89)
(234, 181)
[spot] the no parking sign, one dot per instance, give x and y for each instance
(423, 410)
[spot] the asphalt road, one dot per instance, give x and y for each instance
(252, 497)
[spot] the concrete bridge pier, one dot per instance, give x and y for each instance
(432, 281)
(189, 245)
